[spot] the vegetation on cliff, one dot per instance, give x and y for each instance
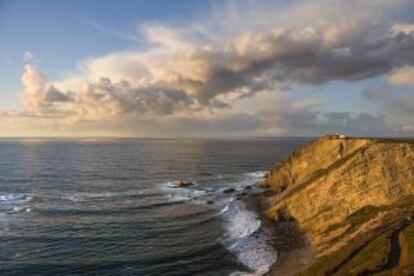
(354, 199)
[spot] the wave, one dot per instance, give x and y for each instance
(244, 235)
(215, 190)
(14, 198)
(192, 193)
(246, 239)
(225, 209)
(241, 222)
(256, 174)
(14, 203)
(15, 210)
(82, 197)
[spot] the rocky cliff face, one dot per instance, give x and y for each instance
(355, 200)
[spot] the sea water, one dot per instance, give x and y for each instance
(111, 206)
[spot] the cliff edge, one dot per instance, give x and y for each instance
(354, 199)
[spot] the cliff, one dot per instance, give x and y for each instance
(354, 199)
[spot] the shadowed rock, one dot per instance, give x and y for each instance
(229, 190)
(240, 195)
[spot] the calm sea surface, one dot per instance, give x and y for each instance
(109, 207)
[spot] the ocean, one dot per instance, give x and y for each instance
(110, 206)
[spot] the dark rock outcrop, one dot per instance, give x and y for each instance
(229, 190)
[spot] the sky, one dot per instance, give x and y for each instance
(206, 68)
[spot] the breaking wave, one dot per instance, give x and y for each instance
(257, 174)
(14, 203)
(14, 198)
(82, 197)
(244, 235)
(247, 240)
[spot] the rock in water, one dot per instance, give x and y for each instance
(240, 195)
(229, 190)
(180, 184)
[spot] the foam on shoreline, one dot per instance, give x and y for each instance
(244, 235)
(247, 240)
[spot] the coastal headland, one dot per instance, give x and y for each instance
(351, 201)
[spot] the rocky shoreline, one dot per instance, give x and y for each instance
(290, 242)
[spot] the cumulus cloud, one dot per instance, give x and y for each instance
(37, 93)
(99, 100)
(204, 72)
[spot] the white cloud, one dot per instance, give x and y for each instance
(209, 72)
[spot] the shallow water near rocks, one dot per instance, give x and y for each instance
(109, 207)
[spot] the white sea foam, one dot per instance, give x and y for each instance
(224, 209)
(14, 198)
(257, 174)
(246, 240)
(17, 209)
(14, 203)
(73, 198)
(14, 210)
(191, 193)
(241, 222)
(244, 234)
(81, 197)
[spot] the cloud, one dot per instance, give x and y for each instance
(101, 100)
(204, 73)
(403, 29)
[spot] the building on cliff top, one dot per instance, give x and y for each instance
(336, 136)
